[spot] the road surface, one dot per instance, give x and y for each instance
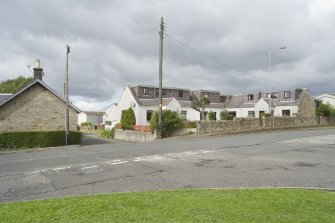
(294, 158)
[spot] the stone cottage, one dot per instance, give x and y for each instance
(36, 107)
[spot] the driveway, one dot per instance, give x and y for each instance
(92, 139)
(295, 158)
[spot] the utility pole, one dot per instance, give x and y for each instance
(66, 95)
(161, 36)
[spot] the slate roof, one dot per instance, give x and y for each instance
(234, 101)
(36, 81)
(155, 102)
(93, 113)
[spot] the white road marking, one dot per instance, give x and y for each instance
(89, 167)
(121, 162)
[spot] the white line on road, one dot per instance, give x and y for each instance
(121, 162)
(90, 167)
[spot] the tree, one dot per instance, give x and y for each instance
(201, 105)
(317, 102)
(128, 119)
(325, 110)
(11, 86)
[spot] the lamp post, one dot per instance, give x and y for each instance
(270, 52)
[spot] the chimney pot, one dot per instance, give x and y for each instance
(38, 71)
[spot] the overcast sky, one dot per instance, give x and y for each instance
(216, 45)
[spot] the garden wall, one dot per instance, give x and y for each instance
(253, 124)
(133, 136)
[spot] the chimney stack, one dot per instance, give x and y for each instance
(38, 71)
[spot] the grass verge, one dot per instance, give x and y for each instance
(247, 205)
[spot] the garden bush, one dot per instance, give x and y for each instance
(211, 115)
(33, 139)
(128, 119)
(171, 122)
(108, 133)
(224, 115)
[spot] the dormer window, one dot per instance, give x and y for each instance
(287, 94)
(274, 95)
(250, 97)
(146, 91)
(181, 93)
(206, 94)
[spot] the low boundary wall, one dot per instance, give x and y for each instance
(134, 136)
(254, 124)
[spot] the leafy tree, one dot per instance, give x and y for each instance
(224, 115)
(13, 85)
(317, 102)
(201, 105)
(325, 110)
(171, 122)
(128, 119)
(211, 115)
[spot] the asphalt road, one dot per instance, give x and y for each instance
(295, 158)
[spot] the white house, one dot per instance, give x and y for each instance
(88, 116)
(327, 98)
(144, 101)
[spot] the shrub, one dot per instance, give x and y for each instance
(108, 133)
(171, 122)
(190, 124)
(266, 115)
(32, 139)
(224, 115)
(118, 126)
(86, 124)
(128, 119)
(211, 115)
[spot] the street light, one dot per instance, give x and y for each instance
(272, 51)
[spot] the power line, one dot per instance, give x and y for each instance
(221, 63)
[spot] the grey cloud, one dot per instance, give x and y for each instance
(115, 43)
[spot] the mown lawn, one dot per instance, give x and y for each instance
(246, 205)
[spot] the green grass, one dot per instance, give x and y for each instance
(247, 205)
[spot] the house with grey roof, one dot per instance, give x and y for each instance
(145, 100)
(35, 107)
(327, 98)
(94, 117)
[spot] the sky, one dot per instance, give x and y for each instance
(221, 45)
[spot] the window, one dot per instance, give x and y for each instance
(251, 114)
(183, 115)
(287, 94)
(181, 93)
(286, 113)
(164, 92)
(250, 97)
(274, 95)
(206, 94)
(145, 91)
(149, 113)
(157, 92)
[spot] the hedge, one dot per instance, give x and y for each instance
(33, 139)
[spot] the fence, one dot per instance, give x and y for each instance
(256, 124)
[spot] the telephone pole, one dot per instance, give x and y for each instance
(161, 36)
(66, 95)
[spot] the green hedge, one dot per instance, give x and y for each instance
(32, 139)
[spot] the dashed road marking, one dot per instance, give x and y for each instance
(121, 162)
(89, 167)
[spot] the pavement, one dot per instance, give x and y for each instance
(294, 158)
